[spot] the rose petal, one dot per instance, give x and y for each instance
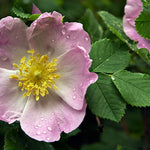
(13, 41)
(75, 77)
(11, 101)
(132, 11)
(48, 35)
(45, 119)
(130, 30)
(35, 10)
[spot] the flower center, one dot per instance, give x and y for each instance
(36, 75)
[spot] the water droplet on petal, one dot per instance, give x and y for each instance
(74, 97)
(44, 132)
(49, 128)
(86, 38)
(42, 118)
(38, 132)
(39, 125)
(48, 138)
(63, 31)
(53, 40)
(34, 24)
(36, 127)
(67, 36)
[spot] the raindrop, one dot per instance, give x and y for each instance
(34, 24)
(42, 118)
(39, 125)
(86, 38)
(38, 133)
(44, 132)
(53, 40)
(63, 31)
(74, 97)
(48, 138)
(36, 127)
(49, 128)
(74, 89)
(113, 78)
(67, 36)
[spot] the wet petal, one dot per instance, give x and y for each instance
(132, 11)
(48, 35)
(73, 68)
(11, 101)
(35, 10)
(44, 120)
(13, 41)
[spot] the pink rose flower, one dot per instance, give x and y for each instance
(44, 75)
(132, 11)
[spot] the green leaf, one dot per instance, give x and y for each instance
(19, 13)
(23, 15)
(114, 136)
(65, 136)
(13, 142)
(134, 87)
(92, 26)
(33, 17)
(16, 140)
(145, 2)
(142, 22)
(24, 6)
(108, 56)
(144, 53)
(115, 25)
(104, 100)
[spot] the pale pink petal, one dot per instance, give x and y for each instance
(50, 36)
(13, 41)
(45, 119)
(35, 10)
(75, 77)
(130, 30)
(132, 11)
(11, 101)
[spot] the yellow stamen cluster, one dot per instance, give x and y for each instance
(36, 75)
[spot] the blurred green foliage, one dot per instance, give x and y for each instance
(72, 10)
